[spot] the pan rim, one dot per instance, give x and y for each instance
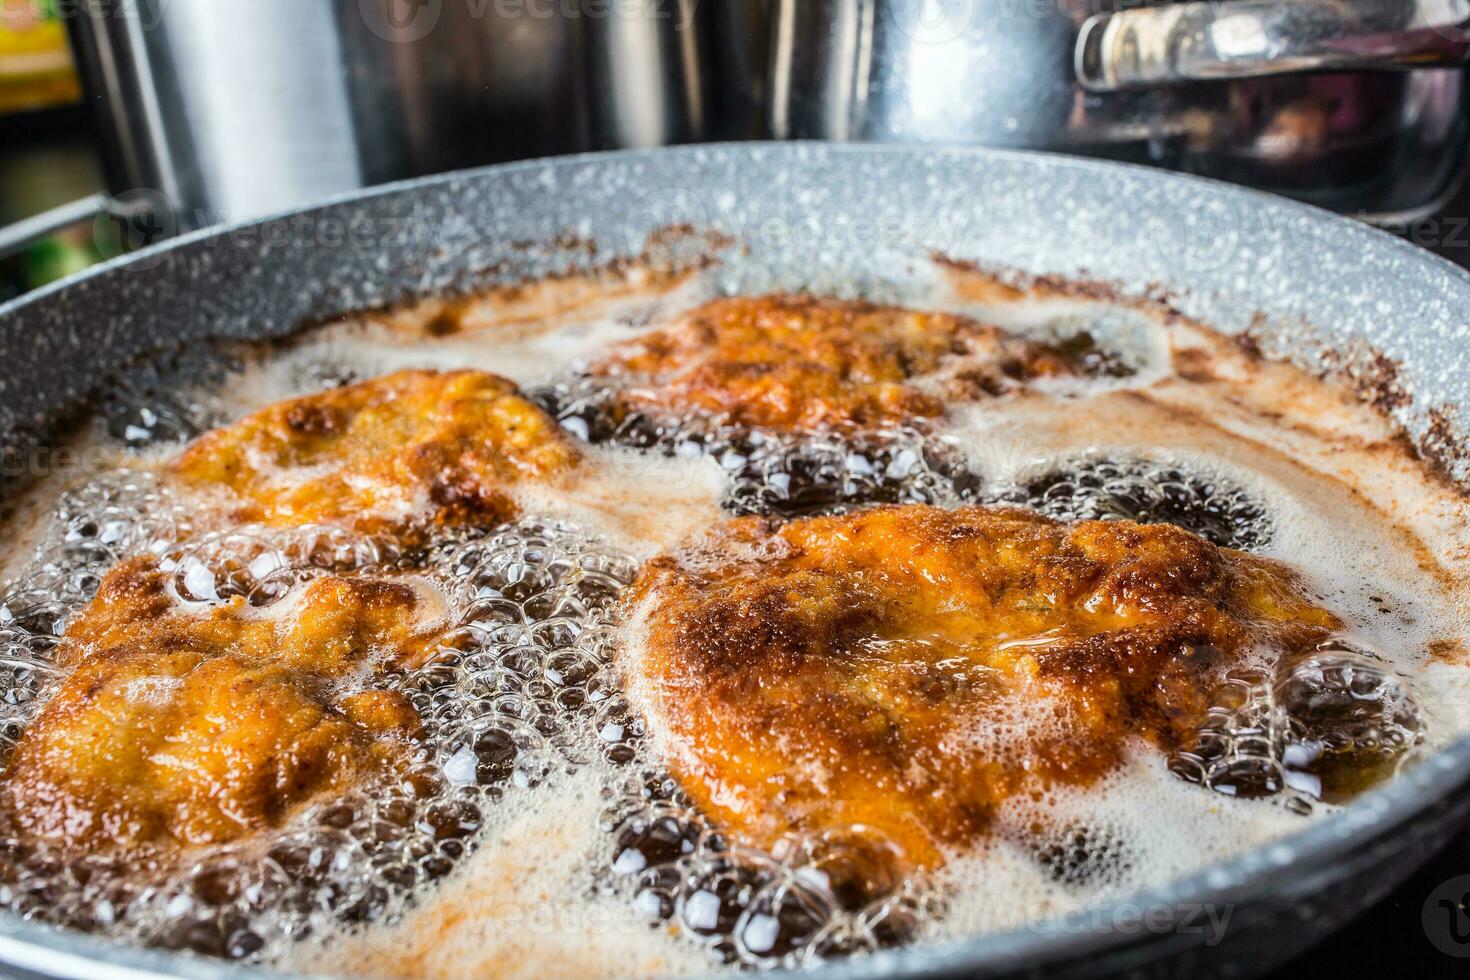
(1061, 161)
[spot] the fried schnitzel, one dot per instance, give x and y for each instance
(909, 669)
(405, 451)
(795, 364)
(198, 727)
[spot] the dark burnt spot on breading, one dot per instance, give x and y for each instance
(725, 634)
(1161, 673)
(314, 419)
(461, 497)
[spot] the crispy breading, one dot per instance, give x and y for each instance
(407, 450)
(794, 363)
(199, 727)
(909, 669)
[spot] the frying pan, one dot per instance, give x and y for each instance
(845, 218)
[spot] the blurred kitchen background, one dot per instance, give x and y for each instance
(125, 121)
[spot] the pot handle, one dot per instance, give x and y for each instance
(21, 235)
(1212, 40)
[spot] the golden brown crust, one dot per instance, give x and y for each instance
(200, 727)
(909, 669)
(409, 449)
(793, 363)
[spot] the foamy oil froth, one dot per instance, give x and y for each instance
(519, 695)
(84, 532)
(588, 848)
(538, 822)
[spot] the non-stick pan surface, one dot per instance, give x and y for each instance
(850, 218)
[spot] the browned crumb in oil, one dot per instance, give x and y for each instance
(1450, 650)
(532, 306)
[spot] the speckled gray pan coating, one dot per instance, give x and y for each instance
(849, 218)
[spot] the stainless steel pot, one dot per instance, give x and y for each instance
(211, 112)
(1216, 88)
(826, 216)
